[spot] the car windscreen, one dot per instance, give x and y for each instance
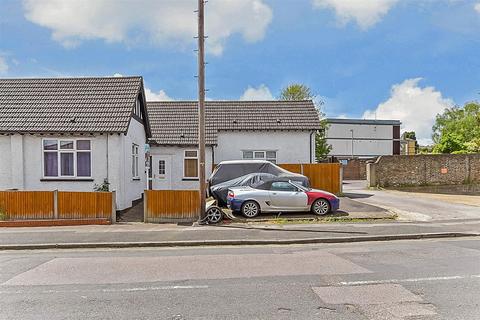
(300, 186)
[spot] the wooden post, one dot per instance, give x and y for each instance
(55, 204)
(341, 177)
(201, 108)
(114, 207)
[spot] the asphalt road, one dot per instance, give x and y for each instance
(390, 280)
(410, 207)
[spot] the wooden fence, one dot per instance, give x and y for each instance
(84, 205)
(24, 205)
(56, 205)
(171, 205)
(325, 176)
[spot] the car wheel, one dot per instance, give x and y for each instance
(320, 207)
(250, 209)
(214, 215)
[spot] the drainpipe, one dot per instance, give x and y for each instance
(108, 178)
(311, 146)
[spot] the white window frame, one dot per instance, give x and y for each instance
(59, 151)
(273, 160)
(191, 158)
(135, 168)
(164, 162)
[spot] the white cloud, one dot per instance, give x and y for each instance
(166, 22)
(3, 65)
(260, 93)
(365, 13)
(156, 96)
(477, 7)
(415, 106)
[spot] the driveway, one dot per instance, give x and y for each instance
(412, 206)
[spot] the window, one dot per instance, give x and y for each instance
(260, 155)
(247, 154)
(67, 158)
(190, 164)
(283, 186)
(161, 167)
(134, 161)
(138, 110)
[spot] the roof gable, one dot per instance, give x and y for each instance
(176, 122)
(51, 105)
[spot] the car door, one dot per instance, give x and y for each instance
(286, 197)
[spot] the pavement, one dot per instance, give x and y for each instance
(151, 235)
(400, 280)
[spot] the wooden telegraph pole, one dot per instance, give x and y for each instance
(201, 107)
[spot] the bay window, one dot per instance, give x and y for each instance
(67, 158)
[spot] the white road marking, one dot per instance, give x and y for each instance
(135, 289)
(446, 278)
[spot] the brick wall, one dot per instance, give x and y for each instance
(441, 169)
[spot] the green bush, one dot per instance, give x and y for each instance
(3, 215)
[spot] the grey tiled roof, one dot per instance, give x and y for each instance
(176, 122)
(102, 104)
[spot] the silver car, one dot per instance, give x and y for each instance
(280, 195)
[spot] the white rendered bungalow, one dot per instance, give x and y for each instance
(72, 133)
(277, 131)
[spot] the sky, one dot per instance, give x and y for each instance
(383, 59)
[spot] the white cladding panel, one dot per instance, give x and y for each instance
(360, 147)
(291, 146)
(5, 163)
(368, 139)
(364, 131)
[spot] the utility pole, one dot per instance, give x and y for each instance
(201, 107)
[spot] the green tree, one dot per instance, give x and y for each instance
(302, 92)
(457, 130)
(296, 91)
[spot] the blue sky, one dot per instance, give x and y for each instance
(402, 59)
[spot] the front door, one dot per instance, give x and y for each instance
(286, 197)
(161, 172)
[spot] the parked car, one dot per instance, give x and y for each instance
(246, 173)
(280, 195)
(219, 192)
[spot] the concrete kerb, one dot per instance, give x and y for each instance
(239, 242)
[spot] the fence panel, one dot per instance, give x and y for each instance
(25, 205)
(171, 205)
(84, 205)
(325, 176)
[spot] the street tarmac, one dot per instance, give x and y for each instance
(425, 279)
